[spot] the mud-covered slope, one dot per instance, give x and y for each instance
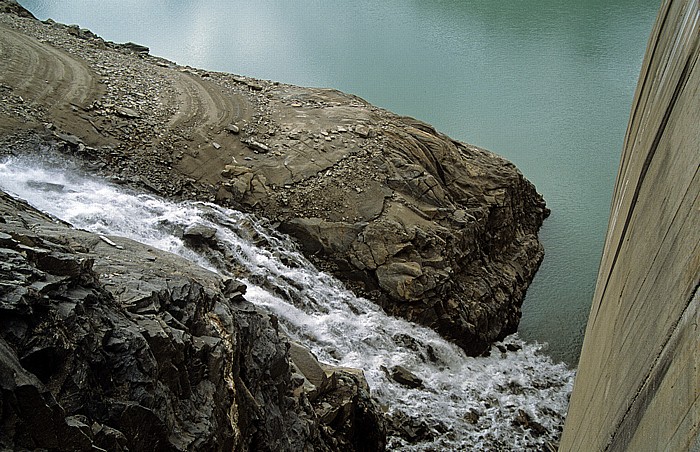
(437, 231)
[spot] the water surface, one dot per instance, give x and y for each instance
(464, 403)
(547, 84)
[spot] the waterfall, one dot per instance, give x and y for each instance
(464, 402)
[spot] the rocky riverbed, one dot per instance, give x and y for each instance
(109, 343)
(434, 230)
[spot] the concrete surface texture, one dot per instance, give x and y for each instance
(638, 378)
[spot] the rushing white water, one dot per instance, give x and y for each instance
(465, 403)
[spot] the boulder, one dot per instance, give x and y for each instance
(199, 234)
(436, 231)
(405, 377)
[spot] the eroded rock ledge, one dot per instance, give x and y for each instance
(107, 343)
(434, 230)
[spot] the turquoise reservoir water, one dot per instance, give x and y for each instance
(547, 84)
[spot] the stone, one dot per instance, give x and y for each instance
(199, 233)
(99, 348)
(138, 48)
(399, 279)
(12, 7)
(362, 130)
(258, 146)
(472, 416)
(309, 367)
(513, 347)
(410, 429)
(523, 419)
(127, 112)
(405, 377)
(68, 138)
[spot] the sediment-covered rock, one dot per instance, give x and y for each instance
(437, 231)
(434, 230)
(108, 343)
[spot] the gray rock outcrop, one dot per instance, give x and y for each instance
(107, 343)
(436, 231)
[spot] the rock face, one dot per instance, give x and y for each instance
(108, 343)
(434, 230)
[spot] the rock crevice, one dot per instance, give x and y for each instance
(432, 229)
(115, 345)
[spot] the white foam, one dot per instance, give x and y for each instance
(317, 310)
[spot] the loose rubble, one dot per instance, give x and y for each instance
(434, 230)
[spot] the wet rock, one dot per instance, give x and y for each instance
(513, 347)
(405, 377)
(409, 428)
(199, 233)
(472, 416)
(108, 438)
(310, 368)
(524, 420)
(233, 289)
(349, 413)
(425, 351)
(101, 348)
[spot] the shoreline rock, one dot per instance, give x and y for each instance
(108, 343)
(434, 230)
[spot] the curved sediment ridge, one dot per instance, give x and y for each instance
(434, 230)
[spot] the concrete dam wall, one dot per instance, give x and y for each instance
(638, 378)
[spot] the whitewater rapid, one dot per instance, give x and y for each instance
(466, 403)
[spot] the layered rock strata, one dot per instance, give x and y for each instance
(108, 344)
(434, 230)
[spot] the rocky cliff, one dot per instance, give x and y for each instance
(638, 381)
(108, 343)
(434, 230)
